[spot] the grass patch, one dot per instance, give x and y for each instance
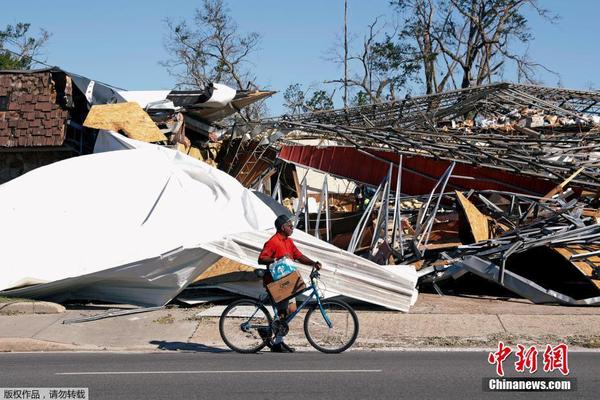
(165, 320)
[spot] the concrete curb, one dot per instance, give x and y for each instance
(28, 345)
(31, 307)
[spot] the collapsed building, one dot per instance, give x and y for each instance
(499, 182)
(523, 160)
(133, 249)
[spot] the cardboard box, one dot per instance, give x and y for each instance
(286, 287)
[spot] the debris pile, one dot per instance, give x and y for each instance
(501, 175)
(544, 249)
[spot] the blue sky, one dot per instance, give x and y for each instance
(121, 42)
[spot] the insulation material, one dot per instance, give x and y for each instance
(126, 117)
(314, 180)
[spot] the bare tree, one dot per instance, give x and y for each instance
(424, 18)
(474, 37)
(210, 48)
(381, 67)
(18, 49)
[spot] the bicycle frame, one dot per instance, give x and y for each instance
(314, 293)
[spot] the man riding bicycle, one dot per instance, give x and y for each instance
(280, 245)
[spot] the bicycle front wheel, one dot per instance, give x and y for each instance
(332, 329)
(245, 326)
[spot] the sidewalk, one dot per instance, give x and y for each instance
(433, 322)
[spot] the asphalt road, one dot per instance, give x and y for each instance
(312, 375)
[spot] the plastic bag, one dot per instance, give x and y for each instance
(281, 268)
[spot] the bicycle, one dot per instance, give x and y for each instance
(330, 326)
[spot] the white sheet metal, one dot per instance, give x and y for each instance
(143, 97)
(221, 96)
(149, 282)
(343, 273)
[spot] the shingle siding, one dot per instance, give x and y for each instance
(33, 116)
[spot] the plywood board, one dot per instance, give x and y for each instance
(582, 265)
(129, 118)
(477, 221)
(222, 267)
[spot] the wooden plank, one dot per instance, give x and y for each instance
(443, 245)
(296, 182)
(582, 266)
(222, 267)
(559, 188)
(478, 222)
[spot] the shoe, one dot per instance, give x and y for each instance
(265, 334)
(282, 348)
(288, 348)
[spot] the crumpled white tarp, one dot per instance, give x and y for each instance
(137, 226)
(111, 211)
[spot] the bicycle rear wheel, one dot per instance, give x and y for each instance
(335, 338)
(239, 326)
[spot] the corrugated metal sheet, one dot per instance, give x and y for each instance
(343, 273)
(419, 173)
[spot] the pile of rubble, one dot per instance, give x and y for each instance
(544, 249)
(501, 181)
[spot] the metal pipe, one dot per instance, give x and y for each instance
(327, 215)
(358, 231)
(437, 205)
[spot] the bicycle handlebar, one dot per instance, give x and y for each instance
(314, 274)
